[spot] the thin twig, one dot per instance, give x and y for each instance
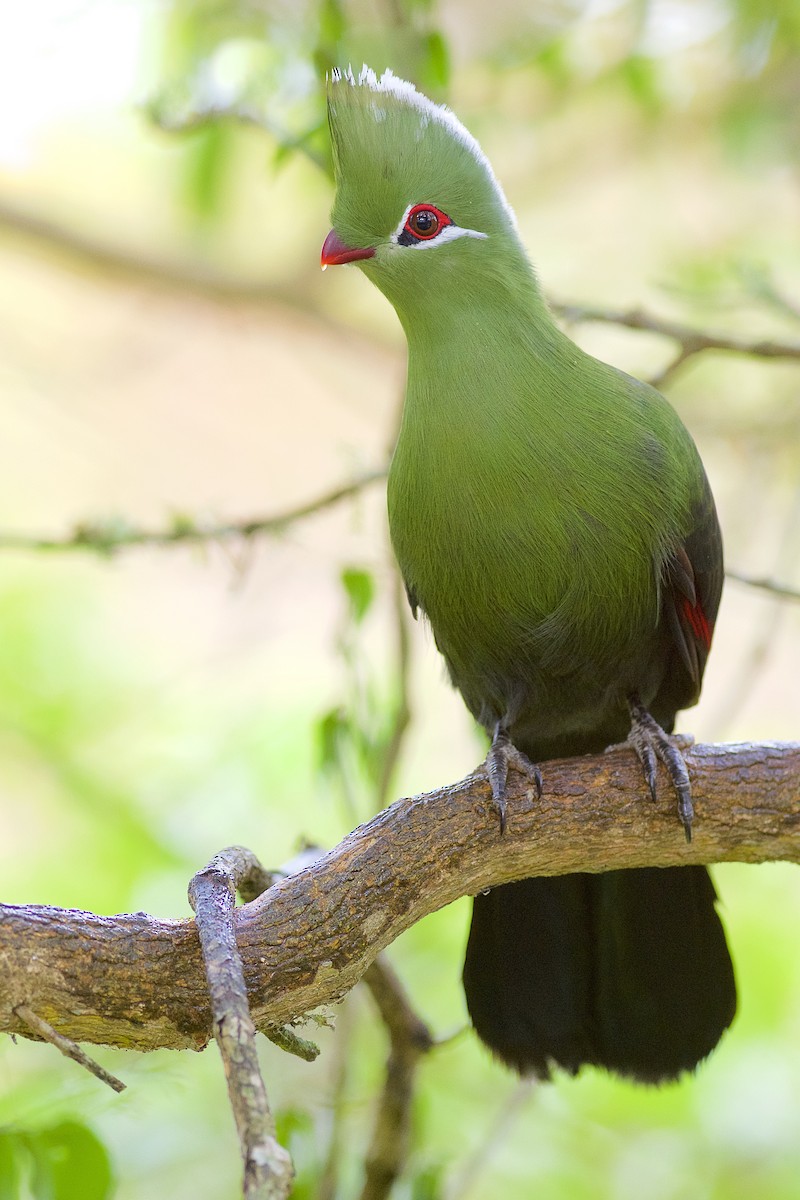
(409, 1040)
(67, 1046)
(108, 537)
(401, 719)
(780, 590)
(181, 119)
(764, 635)
(339, 1065)
(255, 881)
(692, 341)
(188, 277)
(664, 376)
(250, 886)
(268, 1170)
(493, 1137)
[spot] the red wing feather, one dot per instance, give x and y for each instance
(697, 621)
(692, 588)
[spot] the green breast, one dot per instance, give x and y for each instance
(530, 511)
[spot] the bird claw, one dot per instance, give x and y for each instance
(640, 740)
(652, 745)
(503, 756)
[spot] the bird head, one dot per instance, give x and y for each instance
(416, 200)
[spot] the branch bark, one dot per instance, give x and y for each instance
(137, 982)
(268, 1170)
(692, 341)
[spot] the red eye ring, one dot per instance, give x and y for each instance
(424, 222)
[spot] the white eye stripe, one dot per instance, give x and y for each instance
(449, 234)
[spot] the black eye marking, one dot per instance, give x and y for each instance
(423, 223)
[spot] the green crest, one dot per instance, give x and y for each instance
(394, 148)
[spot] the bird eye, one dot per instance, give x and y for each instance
(424, 222)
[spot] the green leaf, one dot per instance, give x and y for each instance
(292, 1121)
(329, 731)
(9, 1166)
(553, 61)
(207, 170)
(70, 1163)
(435, 69)
(415, 8)
(331, 21)
(360, 588)
(427, 1184)
(641, 76)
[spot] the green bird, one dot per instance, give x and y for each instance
(552, 519)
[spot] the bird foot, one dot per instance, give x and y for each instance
(653, 745)
(502, 757)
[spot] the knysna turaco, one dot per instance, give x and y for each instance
(552, 519)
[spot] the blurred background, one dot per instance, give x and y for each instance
(171, 356)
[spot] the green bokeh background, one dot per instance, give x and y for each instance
(168, 347)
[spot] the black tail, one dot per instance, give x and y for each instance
(627, 970)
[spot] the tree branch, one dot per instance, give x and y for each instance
(110, 536)
(692, 341)
(764, 585)
(194, 280)
(137, 982)
(268, 1170)
(67, 1047)
(181, 118)
(107, 537)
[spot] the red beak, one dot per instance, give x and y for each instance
(334, 251)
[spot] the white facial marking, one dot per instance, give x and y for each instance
(449, 234)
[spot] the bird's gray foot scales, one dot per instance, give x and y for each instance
(653, 745)
(503, 756)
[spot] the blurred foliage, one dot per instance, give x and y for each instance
(62, 1162)
(269, 58)
(356, 736)
(128, 779)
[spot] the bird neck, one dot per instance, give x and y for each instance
(502, 300)
(484, 359)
